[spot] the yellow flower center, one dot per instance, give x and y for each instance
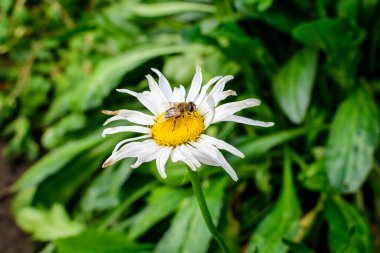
(176, 131)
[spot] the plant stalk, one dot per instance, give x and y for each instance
(205, 212)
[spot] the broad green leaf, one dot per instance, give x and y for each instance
(293, 83)
(56, 134)
(164, 202)
(46, 225)
(155, 10)
(282, 221)
(255, 147)
(104, 191)
(340, 39)
(109, 72)
(352, 141)
(93, 241)
(349, 232)
(55, 160)
(61, 186)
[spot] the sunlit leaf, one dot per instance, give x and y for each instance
(104, 191)
(110, 71)
(165, 201)
(352, 141)
(293, 84)
(55, 161)
(47, 225)
(92, 241)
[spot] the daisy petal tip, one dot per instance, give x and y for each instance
(269, 124)
(107, 163)
(232, 93)
(106, 112)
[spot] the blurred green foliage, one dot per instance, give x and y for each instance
(309, 184)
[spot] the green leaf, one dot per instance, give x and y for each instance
(164, 201)
(175, 236)
(340, 39)
(282, 221)
(254, 5)
(104, 191)
(352, 141)
(54, 161)
(188, 232)
(46, 225)
(92, 241)
(255, 147)
(349, 232)
(297, 247)
(293, 83)
(56, 134)
(109, 72)
(198, 236)
(169, 8)
(157, 10)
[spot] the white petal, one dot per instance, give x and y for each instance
(177, 155)
(132, 116)
(162, 158)
(220, 144)
(228, 109)
(217, 156)
(195, 86)
(201, 156)
(223, 95)
(164, 85)
(146, 99)
(219, 86)
(210, 114)
(132, 149)
(179, 94)
(204, 90)
(143, 159)
(128, 140)
(156, 91)
(248, 121)
(118, 129)
(189, 156)
(148, 155)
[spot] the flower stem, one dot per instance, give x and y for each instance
(205, 212)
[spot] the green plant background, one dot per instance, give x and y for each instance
(308, 184)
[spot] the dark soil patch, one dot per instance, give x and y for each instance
(12, 239)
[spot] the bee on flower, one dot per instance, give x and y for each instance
(178, 122)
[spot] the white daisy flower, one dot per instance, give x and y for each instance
(177, 127)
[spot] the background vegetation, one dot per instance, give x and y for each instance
(309, 184)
